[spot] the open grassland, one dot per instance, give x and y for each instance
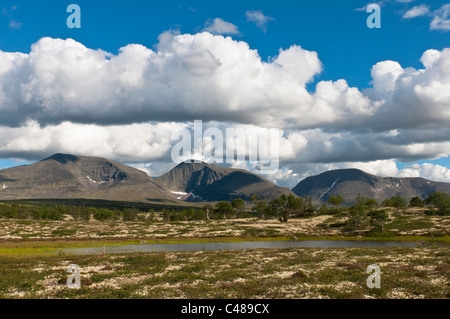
(263, 273)
(31, 237)
(33, 266)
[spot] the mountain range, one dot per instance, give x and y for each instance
(69, 176)
(206, 182)
(64, 176)
(350, 182)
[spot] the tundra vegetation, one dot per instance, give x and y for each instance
(263, 273)
(301, 217)
(282, 208)
(33, 235)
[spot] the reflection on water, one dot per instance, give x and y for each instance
(243, 245)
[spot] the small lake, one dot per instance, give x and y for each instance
(243, 245)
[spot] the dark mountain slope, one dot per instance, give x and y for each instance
(207, 182)
(351, 182)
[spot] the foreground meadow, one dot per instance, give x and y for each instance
(285, 273)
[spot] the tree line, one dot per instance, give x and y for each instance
(282, 208)
(15, 210)
(367, 210)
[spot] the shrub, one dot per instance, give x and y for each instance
(440, 201)
(287, 206)
(103, 214)
(378, 219)
(261, 208)
(238, 206)
(224, 209)
(129, 214)
(416, 201)
(336, 201)
(7, 211)
(396, 201)
(357, 216)
(151, 214)
(165, 214)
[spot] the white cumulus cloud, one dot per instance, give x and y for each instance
(258, 18)
(219, 26)
(441, 19)
(416, 11)
(65, 97)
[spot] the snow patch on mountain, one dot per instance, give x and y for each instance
(179, 193)
(329, 189)
(332, 185)
(195, 196)
(92, 181)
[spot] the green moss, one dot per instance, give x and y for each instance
(406, 223)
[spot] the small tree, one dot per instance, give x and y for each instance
(261, 208)
(129, 214)
(370, 202)
(238, 205)
(286, 206)
(324, 210)
(207, 208)
(103, 214)
(360, 200)
(254, 199)
(441, 201)
(151, 214)
(308, 207)
(336, 201)
(166, 214)
(416, 201)
(357, 216)
(396, 201)
(378, 219)
(225, 209)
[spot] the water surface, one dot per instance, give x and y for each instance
(243, 245)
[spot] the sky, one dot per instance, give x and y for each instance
(343, 94)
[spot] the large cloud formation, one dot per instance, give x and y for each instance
(202, 75)
(64, 97)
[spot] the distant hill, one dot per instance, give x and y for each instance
(351, 182)
(207, 182)
(64, 176)
(69, 176)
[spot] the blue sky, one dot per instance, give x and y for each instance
(336, 30)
